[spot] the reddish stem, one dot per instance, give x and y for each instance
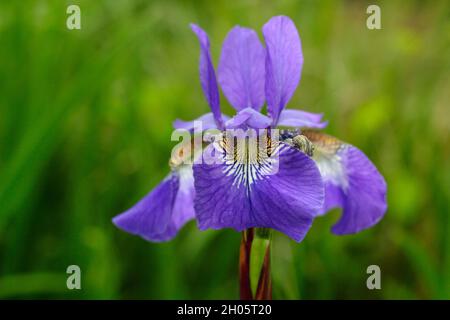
(244, 265)
(264, 288)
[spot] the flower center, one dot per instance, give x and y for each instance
(248, 156)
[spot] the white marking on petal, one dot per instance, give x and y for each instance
(186, 178)
(249, 159)
(331, 167)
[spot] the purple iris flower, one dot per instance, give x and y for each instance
(228, 194)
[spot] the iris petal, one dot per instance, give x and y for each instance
(284, 61)
(298, 118)
(284, 194)
(208, 75)
(207, 121)
(162, 212)
(352, 182)
(248, 117)
(241, 69)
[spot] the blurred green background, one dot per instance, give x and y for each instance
(85, 125)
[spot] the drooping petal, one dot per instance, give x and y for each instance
(283, 192)
(162, 212)
(352, 182)
(302, 119)
(241, 69)
(248, 118)
(206, 121)
(284, 61)
(208, 75)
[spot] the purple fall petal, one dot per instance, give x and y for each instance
(239, 196)
(162, 212)
(298, 118)
(241, 69)
(363, 198)
(352, 183)
(284, 60)
(248, 117)
(208, 75)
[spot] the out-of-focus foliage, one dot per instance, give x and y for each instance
(85, 124)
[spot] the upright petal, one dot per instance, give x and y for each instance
(352, 182)
(240, 191)
(208, 75)
(302, 119)
(284, 60)
(162, 212)
(241, 69)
